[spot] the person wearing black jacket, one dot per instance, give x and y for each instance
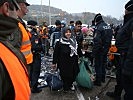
(56, 34)
(65, 57)
(36, 50)
(127, 51)
(102, 41)
(124, 38)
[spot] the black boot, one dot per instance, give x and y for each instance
(113, 95)
(97, 83)
(36, 90)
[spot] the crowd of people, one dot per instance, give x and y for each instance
(22, 45)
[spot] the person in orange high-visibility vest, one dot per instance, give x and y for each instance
(14, 81)
(26, 43)
(44, 37)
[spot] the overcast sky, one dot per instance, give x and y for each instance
(115, 8)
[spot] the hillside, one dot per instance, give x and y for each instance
(41, 13)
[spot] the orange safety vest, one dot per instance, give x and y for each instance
(17, 72)
(26, 44)
(29, 34)
(44, 32)
(112, 49)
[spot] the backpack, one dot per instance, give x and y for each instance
(54, 81)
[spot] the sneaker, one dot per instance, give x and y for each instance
(72, 88)
(113, 95)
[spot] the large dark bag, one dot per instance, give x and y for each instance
(54, 81)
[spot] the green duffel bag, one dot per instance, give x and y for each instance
(84, 78)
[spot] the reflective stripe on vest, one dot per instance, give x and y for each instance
(16, 71)
(26, 44)
(26, 53)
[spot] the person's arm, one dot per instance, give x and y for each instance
(129, 57)
(51, 39)
(1, 81)
(97, 42)
(55, 55)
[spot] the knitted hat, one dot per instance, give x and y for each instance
(57, 22)
(98, 17)
(129, 5)
(23, 1)
(84, 30)
(32, 22)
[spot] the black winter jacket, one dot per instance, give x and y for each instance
(124, 34)
(79, 39)
(68, 65)
(102, 38)
(128, 43)
(36, 43)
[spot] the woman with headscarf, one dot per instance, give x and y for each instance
(65, 57)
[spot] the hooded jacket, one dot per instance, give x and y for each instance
(7, 90)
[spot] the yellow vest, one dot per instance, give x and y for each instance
(44, 32)
(17, 72)
(26, 44)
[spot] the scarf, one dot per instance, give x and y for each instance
(72, 44)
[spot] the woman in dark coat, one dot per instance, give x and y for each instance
(65, 57)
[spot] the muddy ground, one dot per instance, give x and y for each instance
(46, 94)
